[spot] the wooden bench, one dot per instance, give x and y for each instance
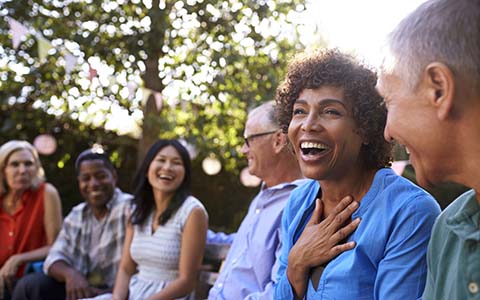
(213, 258)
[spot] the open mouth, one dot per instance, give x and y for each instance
(311, 148)
(166, 177)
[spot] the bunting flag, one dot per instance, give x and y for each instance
(18, 32)
(44, 46)
(92, 73)
(70, 62)
(399, 166)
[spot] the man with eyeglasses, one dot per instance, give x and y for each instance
(250, 269)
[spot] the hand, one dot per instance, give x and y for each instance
(9, 270)
(320, 242)
(77, 286)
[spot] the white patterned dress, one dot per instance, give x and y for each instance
(157, 254)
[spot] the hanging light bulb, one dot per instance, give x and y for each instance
(211, 165)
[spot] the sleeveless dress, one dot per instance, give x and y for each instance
(157, 254)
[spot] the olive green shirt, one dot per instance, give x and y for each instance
(453, 256)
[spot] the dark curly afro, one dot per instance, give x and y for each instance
(335, 69)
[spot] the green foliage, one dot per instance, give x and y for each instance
(212, 60)
(216, 58)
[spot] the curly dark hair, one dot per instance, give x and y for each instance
(333, 68)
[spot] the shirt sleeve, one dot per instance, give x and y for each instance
(402, 271)
(219, 237)
(63, 246)
(283, 288)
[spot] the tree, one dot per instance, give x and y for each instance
(211, 60)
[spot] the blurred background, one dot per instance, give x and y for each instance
(119, 74)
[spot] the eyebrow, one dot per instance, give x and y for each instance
(325, 101)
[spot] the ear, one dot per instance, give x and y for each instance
(280, 141)
(441, 88)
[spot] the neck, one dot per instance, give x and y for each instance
(287, 170)
(99, 213)
(356, 185)
(161, 200)
(464, 167)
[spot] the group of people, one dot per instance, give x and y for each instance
(331, 219)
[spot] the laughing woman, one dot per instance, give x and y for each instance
(335, 120)
(166, 236)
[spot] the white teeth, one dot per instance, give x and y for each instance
(166, 177)
(406, 149)
(310, 145)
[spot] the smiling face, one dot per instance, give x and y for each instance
(260, 149)
(20, 170)
(96, 183)
(412, 122)
(324, 134)
(167, 171)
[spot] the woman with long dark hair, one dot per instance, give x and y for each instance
(165, 237)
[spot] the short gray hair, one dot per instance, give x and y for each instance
(269, 108)
(12, 146)
(446, 31)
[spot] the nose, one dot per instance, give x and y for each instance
(311, 123)
(386, 132)
(22, 168)
(244, 149)
(167, 165)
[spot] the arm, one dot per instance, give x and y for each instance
(191, 254)
(52, 222)
(268, 291)
(127, 268)
(402, 271)
(76, 285)
(317, 245)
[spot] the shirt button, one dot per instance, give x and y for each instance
(10, 233)
(220, 285)
(257, 211)
(234, 260)
(473, 287)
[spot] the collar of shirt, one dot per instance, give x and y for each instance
(465, 223)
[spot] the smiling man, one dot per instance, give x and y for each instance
(250, 269)
(431, 84)
(84, 259)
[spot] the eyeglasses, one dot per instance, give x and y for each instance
(250, 137)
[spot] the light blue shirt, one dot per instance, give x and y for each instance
(389, 260)
(251, 264)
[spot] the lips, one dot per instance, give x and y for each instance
(313, 150)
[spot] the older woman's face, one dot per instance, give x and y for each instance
(20, 170)
(324, 134)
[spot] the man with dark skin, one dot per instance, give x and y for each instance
(84, 259)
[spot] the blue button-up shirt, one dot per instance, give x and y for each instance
(250, 269)
(389, 259)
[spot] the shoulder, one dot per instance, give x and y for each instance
(404, 193)
(301, 197)
(192, 203)
(51, 194)
(454, 208)
(297, 197)
(189, 206)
